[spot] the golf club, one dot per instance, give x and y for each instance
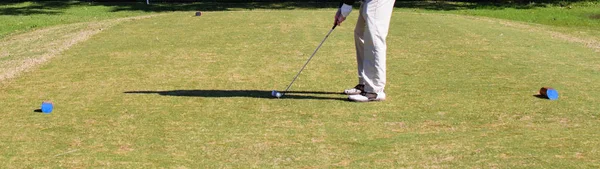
(277, 94)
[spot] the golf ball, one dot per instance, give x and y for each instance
(275, 94)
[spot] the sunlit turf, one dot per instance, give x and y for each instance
(23, 17)
(179, 91)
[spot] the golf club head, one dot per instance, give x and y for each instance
(275, 93)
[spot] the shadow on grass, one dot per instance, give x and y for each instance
(43, 7)
(240, 93)
(218, 6)
(57, 7)
(539, 96)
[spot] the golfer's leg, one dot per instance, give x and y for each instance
(360, 43)
(378, 14)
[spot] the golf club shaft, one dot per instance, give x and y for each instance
(311, 56)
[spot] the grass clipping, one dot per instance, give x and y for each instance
(21, 53)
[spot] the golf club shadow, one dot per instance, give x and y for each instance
(238, 93)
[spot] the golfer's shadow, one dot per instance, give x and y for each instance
(241, 93)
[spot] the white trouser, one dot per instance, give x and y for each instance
(369, 36)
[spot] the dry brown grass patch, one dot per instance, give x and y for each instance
(24, 51)
(588, 42)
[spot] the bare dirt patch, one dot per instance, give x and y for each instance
(22, 52)
(590, 43)
(587, 42)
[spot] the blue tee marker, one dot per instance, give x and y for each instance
(549, 93)
(47, 107)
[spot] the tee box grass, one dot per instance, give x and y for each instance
(180, 91)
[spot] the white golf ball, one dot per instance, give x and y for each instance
(275, 94)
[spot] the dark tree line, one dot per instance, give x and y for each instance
(45, 6)
(307, 1)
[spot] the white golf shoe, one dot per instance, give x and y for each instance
(356, 90)
(367, 97)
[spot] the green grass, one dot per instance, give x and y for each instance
(22, 17)
(581, 19)
(582, 14)
(27, 16)
(193, 92)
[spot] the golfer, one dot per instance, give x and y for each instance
(369, 38)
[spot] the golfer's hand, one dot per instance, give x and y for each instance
(339, 18)
(342, 13)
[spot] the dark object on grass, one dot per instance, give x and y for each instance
(549, 93)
